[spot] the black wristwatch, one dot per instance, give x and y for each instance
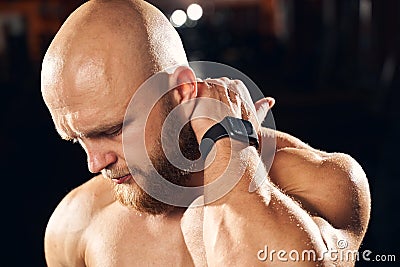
(235, 128)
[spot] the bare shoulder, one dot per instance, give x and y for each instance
(332, 187)
(64, 245)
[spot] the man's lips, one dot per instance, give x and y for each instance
(122, 179)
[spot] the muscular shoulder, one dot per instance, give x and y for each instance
(330, 185)
(64, 244)
(78, 207)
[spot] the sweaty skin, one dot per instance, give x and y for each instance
(96, 62)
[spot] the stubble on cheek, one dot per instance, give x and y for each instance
(132, 195)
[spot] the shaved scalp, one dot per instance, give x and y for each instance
(98, 59)
(119, 40)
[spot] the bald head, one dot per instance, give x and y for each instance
(106, 46)
(97, 61)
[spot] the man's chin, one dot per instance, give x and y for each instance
(133, 196)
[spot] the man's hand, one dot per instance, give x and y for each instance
(232, 159)
(218, 98)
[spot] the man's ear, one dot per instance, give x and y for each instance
(183, 82)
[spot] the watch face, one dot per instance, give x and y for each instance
(241, 130)
(239, 126)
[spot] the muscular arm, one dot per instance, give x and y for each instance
(63, 235)
(313, 200)
(64, 242)
(239, 224)
(332, 186)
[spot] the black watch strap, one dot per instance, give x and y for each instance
(232, 127)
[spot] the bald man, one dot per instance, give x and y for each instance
(312, 200)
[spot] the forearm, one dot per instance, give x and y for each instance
(240, 223)
(235, 231)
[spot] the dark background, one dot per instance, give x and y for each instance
(332, 66)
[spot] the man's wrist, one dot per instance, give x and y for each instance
(228, 152)
(231, 127)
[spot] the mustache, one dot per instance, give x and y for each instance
(115, 173)
(121, 172)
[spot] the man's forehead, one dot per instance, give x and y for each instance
(86, 79)
(52, 66)
(86, 122)
(90, 76)
(74, 73)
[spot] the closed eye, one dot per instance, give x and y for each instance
(101, 132)
(114, 131)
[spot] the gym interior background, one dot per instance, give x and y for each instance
(332, 66)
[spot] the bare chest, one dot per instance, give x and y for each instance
(121, 239)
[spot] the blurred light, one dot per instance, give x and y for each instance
(365, 10)
(178, 18)
(194, 12)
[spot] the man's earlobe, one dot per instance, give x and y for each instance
(184, 84)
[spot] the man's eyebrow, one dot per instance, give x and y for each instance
(102, 129)
(95, 132)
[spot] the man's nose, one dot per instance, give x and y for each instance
(99, 157)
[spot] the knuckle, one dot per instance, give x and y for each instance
(225, 79)
(239, 84)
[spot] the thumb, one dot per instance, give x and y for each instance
(262, 107)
